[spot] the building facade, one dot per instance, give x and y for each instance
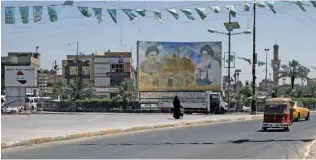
(42, 82)
(105, 72)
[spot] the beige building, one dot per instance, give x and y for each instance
(105, 72)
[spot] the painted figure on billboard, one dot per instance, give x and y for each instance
(179, 66)
(151, 66)
(207, 70)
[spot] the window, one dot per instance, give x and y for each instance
(117, 68)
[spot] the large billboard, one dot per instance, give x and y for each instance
(179, 66)
(20, 76)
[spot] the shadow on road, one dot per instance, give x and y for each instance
(197, 143)
(149, 144)
(270, 140)
(272, 130)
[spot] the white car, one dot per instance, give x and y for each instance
(246, 109)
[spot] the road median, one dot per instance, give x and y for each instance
(110, 131)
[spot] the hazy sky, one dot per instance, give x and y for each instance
(293, 30)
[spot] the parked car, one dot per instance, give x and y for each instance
(246, 109)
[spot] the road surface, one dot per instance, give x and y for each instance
(229, 140)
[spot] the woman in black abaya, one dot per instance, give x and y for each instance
(176, 108)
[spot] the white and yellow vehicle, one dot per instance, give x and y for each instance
(300, 112)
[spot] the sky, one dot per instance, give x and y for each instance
(291, 28)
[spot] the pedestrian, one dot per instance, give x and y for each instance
(176, 108)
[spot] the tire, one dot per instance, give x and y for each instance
(307, 117)
(287, 128)
(298, 118)
(264, 128)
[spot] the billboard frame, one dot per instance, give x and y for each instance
(175, 90)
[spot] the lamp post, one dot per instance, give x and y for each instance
(254, 61)
(267, 49)
(230, 26)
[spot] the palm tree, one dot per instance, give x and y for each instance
(83, 90)
(294, 70)
(126, 92)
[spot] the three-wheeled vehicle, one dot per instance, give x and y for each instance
(278, 113)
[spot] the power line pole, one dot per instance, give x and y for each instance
(77, 59)
(229, 57)
(254, 61)
(55, 68)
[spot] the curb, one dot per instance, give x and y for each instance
(35, 141)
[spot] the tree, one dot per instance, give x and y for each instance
(127, 92)
(83, 90)
(59, 89)
(294, 70)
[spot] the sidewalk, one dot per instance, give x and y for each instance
(18, 130)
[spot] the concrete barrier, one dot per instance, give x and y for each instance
(35, 141)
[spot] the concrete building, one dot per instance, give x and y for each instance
(19, 59)
(42, 81)
(105, 72)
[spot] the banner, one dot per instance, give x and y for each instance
(201, 12)
(112, 13)
(246, 7)
(216, 9)
(173, 12)
(85, 11)
(313, 3)
(157, 15)
(130, 14)
(141, 12)
(52, 14)
(179, 66)
(9, 15)
(37, 13)
(271, 6)
(24, 13)
(188, 13)
(98, 14)
(69, 3)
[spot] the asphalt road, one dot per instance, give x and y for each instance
(238, 140)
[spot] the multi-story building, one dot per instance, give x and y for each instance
(105, 72)
(19, 59)
(42, 81)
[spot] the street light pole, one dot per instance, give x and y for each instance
(254, 61)
(267, 49)
(229, 57)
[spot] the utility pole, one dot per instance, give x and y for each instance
(76, 82)
(254, 61)
(267, 49)
(229, 57)
(55, 68)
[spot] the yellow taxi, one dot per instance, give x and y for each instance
(300, 112)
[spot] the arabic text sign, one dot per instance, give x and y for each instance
(20, 76)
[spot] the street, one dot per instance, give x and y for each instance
(237, 140)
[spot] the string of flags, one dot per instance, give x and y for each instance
(10, 12)
(232, 58)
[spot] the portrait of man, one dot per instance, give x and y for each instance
(208, 71)
(151, 66)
